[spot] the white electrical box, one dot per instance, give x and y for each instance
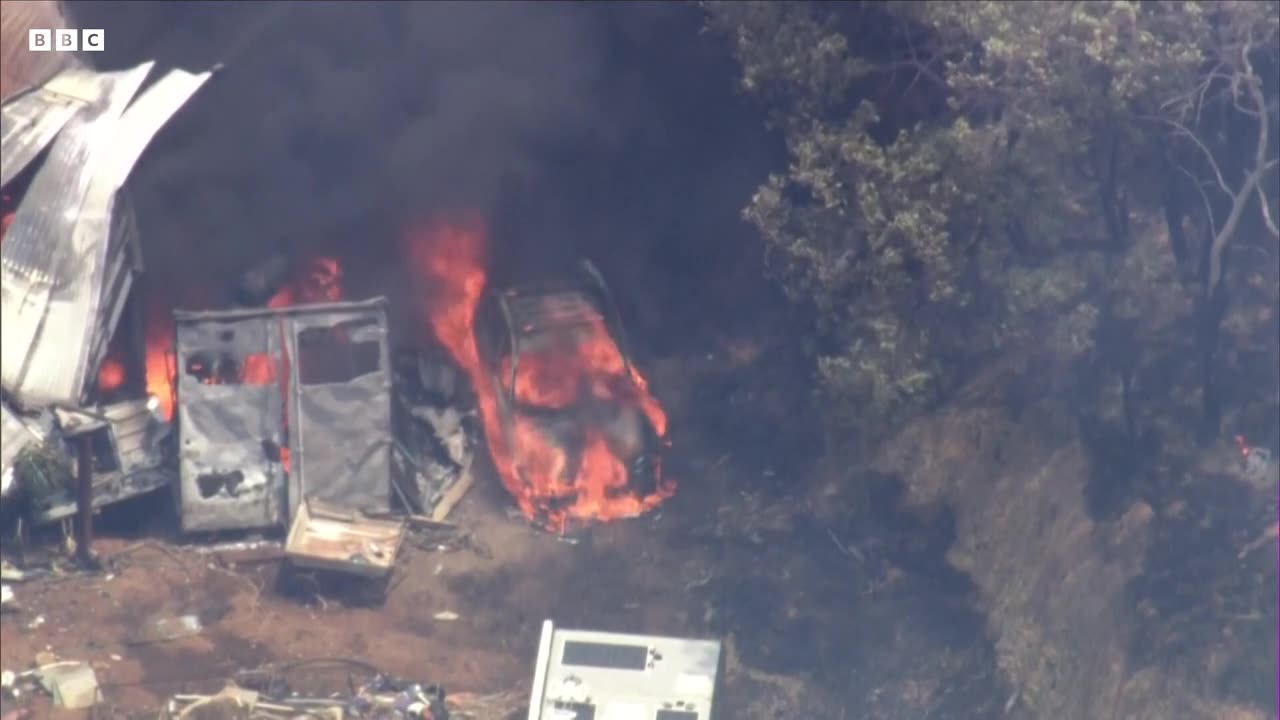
(585, 675)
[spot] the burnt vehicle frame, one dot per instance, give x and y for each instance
(518, 319)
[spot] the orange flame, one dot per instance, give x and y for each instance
(318, 281)
(160, 363)
(111, 375)
(451, 259)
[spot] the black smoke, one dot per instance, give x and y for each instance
(609, 130)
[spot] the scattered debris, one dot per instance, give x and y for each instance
(165, 628)
(324, 537)
(437, 422)
(266, 694)
(73, 685)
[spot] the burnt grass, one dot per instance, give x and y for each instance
(1200, 607)
(866, 610)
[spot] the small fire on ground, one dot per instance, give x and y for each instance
(549, 484)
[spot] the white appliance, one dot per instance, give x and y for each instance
(586, 675)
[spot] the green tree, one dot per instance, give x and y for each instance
(963, 175)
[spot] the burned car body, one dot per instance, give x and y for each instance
(278, 405)
(516, 328)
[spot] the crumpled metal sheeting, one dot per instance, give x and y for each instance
(53, 251)
(124, 263)
(30, 122)
(64, 277)
(437, 423)
(41, 244)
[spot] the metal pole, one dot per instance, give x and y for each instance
(84, 499)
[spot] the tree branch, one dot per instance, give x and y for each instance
(1264, 124)
(1265, 202)
(1260, 167)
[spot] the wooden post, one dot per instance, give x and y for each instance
(137, 340)
(84, 499)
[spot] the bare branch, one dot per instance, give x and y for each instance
(1190, 134)
(1197, 98)
(1265, 202)
(1208, 206)
(1260, 167)
(1259, 111)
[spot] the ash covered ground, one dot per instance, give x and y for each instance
(998, 556)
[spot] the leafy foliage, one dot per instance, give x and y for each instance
(963, 174)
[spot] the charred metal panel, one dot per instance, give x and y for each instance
(334, 370)
(63, 274)
(49, 251)
(340, 405)
(437, 423)
(30, 122)
(230, 421)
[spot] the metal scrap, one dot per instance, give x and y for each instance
(266, 694)
(336, 434)
(131, 456)
(71, 252)
(73, 685)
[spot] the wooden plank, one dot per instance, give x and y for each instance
(453, 496)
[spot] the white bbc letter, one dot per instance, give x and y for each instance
(39, 40)
(66, 40)
(93, 40)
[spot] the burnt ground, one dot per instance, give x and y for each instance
(858, 618)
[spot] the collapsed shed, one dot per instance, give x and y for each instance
(69, 257)
(274, 406)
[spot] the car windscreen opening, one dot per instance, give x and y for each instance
(609, 656)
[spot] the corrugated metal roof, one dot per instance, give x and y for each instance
(21, 69)
(30, 122)
(60, 262)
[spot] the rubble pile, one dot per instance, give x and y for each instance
(439, 426)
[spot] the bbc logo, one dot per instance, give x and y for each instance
(66, 40)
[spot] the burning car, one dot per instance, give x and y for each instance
(578, 436)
